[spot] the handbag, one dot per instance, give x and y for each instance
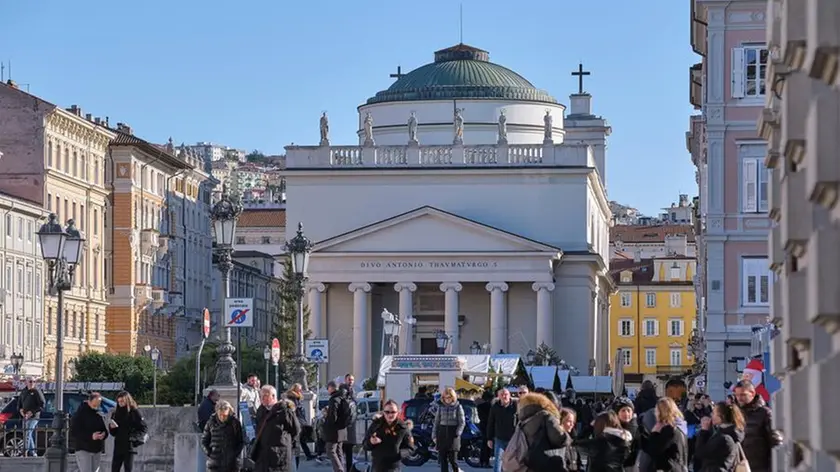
(743, 465)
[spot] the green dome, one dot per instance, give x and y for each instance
(461, 72)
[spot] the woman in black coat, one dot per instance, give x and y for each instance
(272, 451)
(222, 441)
(667, 445)
(568, 420)
(388, 439)
(718, 449)
(129, 431)
(609, 447)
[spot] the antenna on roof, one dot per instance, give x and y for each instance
(461, 25)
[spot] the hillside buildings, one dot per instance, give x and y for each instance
(801, 122)
(651, 241)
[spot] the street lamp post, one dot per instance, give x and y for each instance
(299, 248)
(62, 250)
(17, 362)
(442, 340)
(531, 357)
(267, 357)
(154, 353)
(391, 325)
(225, 214)
(475, 348)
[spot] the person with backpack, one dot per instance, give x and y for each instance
(539, 441)
(450, 422)
(336, 421)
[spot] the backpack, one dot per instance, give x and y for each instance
(519, 456)
(743, 465)
(344, 415)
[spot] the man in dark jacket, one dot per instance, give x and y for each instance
(272, 450)
(759, 436)
(88, 432)
(207, 408)
(500, 425)
(353, 436)
(482, 409)
(335, 426)
(30, 403)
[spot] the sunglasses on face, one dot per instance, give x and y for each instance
(390, 412)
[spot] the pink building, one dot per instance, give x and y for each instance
(734, 280)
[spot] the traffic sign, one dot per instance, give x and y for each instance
(318, 350)
(275, 350)
(206, 329)
(239, 312)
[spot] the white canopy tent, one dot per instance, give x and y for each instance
(592, 384)
(542, 376)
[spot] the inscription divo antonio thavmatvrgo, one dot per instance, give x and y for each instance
(430, 265)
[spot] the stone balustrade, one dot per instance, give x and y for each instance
(449, 156)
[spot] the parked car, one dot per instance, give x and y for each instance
(12, 438)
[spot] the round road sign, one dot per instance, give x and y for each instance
(206, 327)
(275, 350)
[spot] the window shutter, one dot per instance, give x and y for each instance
(682, 328)
(749, 186)
(656, 327)
(738, 73)
(765, 177)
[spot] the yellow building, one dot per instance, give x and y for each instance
(652, 313)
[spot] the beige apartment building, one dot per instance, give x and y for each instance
(56, 158)
(801, 123)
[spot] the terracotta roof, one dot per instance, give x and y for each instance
(123, 139)
(262, 219)
(649, 234)
(642, 271)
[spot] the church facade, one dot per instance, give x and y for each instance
(474, 204)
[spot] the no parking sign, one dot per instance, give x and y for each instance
(239, 312)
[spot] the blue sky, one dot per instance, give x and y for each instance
(257, 74)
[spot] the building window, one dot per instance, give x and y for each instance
(240, 240)
(755, 275)
(749, 71)
(676, 273)
(20, 228)
(626, 299)
(675, 328)
(29, 231)
(95, 222)
(651, 327)
(627, 355)
(20, 281)
(650, 357)
(625, 327)
(676, 300)
(266, 239)
(754, 179)
(676, 357)
(650, 300)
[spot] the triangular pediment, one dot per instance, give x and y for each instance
(430, 230)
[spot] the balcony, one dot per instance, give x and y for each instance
(160, 297)
(822, 167)
(163, 244)
(695, 87)
(823, 56)
(673, 370)
(142, 294)
(149, 238)
(699, 24)
(794, 34)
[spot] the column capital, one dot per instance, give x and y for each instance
(356, 286)
(496, 286)
(454, 286)
(310, 286)
(547, 286)
(400, 286)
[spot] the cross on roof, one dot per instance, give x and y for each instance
(399, 74)
(579, 74)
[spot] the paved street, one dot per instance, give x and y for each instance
(428, 466)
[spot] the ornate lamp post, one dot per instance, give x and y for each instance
(391, 325)
(17, 362)
(531, 357)
(225, 214)
(154, 354)
(442, 340)
(62, 250)
(299, 248)
(267, 357)
(475, 348)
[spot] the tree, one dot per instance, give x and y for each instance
(255, 156)
(135, 372)
(545, 355)
(285, 321)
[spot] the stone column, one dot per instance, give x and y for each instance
(314, 290)
(545, 313)
(498, 316)
(593, 338)
(361, 329)
(450, 317)
(406, 290)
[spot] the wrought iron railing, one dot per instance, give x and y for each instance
(14, 440)
(673, 369)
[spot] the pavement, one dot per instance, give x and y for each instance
(312, 466)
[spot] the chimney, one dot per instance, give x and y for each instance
(11, 83)
(683, 200)
(89, 117)
(676, 245)
(97, 120)
(74, 109)
(124, 128)
(581, 104)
